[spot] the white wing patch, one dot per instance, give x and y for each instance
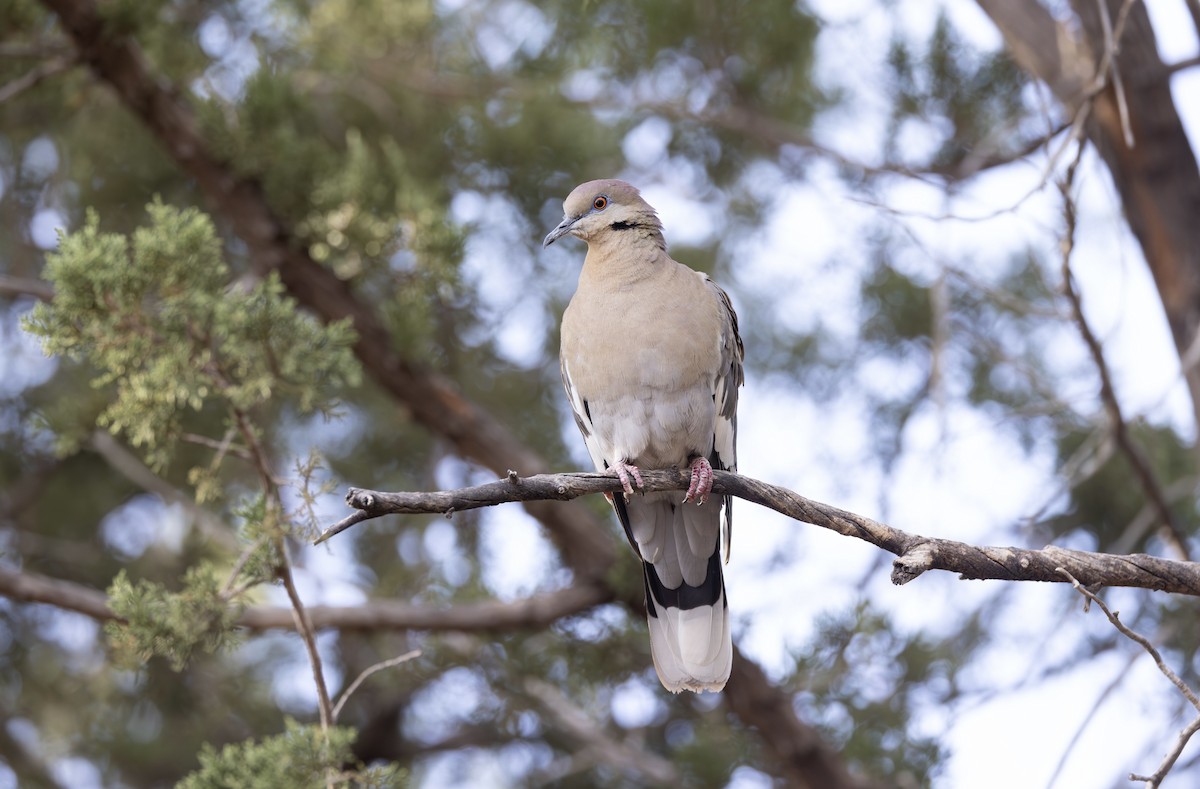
(583, 419)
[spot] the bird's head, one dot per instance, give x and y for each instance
(597, 208)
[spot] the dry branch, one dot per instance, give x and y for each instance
(914, 553)
(1133, 452)
(534, 612)
(1155, 779)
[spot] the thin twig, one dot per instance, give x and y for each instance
(1091, 715)
(31, 78)
(307, 634)
(222, 447)
(1110, 50)
(1129, 447)
(577, 725)
(1181, 741)
(1137, 638)
(380, 666)
(229, 592)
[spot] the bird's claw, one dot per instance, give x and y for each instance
(626, 472)
(701, 483)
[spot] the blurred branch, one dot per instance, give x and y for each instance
(128, 465)
(34, 49)
(35, 75)
(1108, 690)
(596, 745)
(915, 554)
(380, 666)
(68, 595)
(26, 286)
(1193, 7)
(1181, 741)
(1129, 447)
(1184, 65)
(534, 612)
(738, 117)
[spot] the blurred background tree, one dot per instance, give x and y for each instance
(874, 183)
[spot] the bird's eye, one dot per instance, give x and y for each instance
(600, 203)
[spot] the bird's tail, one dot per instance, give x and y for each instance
(686, 608)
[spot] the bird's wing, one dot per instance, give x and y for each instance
(729, 377)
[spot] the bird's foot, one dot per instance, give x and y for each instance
(702, 481)
(625, 473)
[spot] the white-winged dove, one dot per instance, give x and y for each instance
(651, 361)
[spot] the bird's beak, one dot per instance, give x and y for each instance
(563, 228)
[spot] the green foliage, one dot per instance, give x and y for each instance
(301, 757)
(157, 317)
(869, 678)
(897, 307)
(1104, 503)
(168, 624)
(971, 99)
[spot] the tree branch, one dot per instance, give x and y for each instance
(914, 553)
(37, 74)
(642, 766)
(26, 286)
(532, 613)
(1155, 779)
(1128, 445)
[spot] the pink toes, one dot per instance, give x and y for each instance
(702, 481)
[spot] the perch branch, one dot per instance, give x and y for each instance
(915, 554)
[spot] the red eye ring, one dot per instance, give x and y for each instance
(600, 203)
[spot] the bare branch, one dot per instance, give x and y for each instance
(646, 767)
(127, 464)
(1102, 697)
(1137, 638)
(26, 286)
(533, 612)
(1183, 65)
(35, 75)
(33, 50)
(1182, 739)
(68, 595)
(1108, 65)
(380, 666)
(304, 627)
(1193, 7)
(1151, 487)
(915, 553)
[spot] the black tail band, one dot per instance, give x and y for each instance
(686, 597)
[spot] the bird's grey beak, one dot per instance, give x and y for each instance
(563, 228)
